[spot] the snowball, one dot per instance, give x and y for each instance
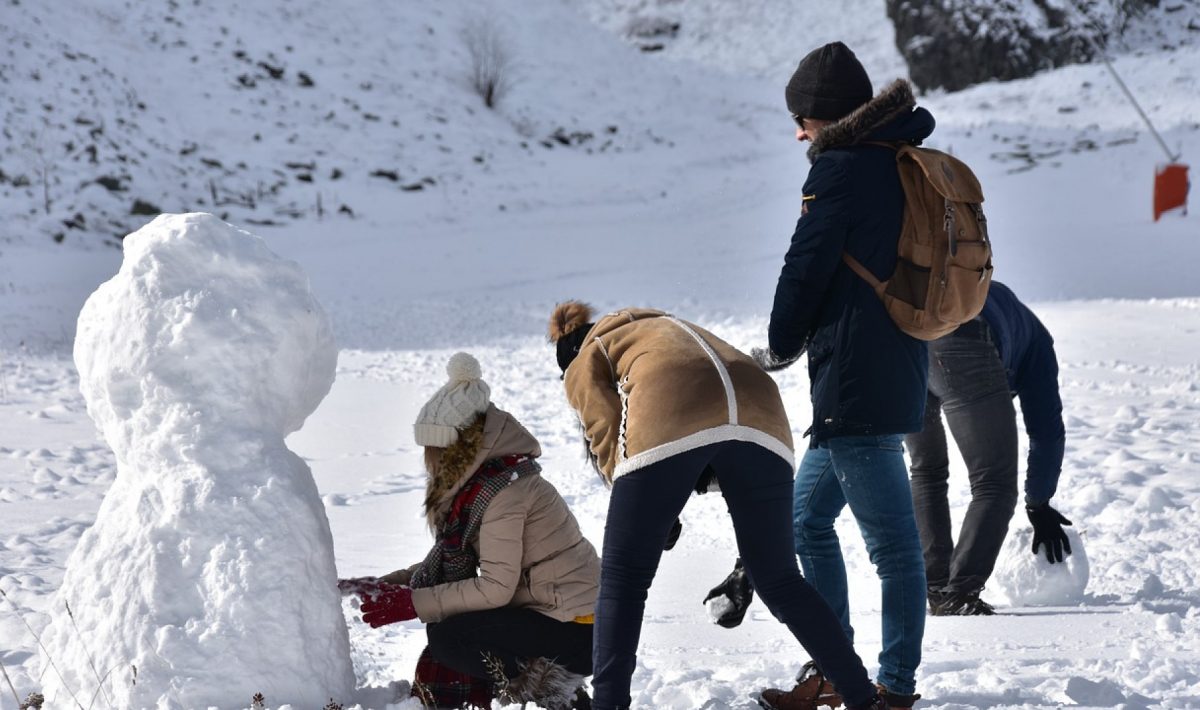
(1152, 588)
(1168, 625)
(463, 368)
(208, 575)
(1102, 694)
(1127, 413)
(202, 321)
(718, 607)
(1153, 500)
(1029, 580)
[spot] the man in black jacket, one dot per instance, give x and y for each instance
(868, 378)
(974, 373)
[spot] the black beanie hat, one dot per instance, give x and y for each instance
(829, 83)
(568, 346)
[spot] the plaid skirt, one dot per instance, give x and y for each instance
(438, 686)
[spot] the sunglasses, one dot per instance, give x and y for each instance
(799, 121)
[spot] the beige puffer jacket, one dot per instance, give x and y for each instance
(647, 386)
(531, 551)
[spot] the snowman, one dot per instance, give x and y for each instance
(208, 576)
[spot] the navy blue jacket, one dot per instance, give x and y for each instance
(1027, 351)
(867, 377)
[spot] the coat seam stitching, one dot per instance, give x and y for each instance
(722, 371)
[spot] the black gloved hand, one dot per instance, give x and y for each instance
(737, 589)
(1048, 530)
(673, 535)
(707, 478)
(769, 361)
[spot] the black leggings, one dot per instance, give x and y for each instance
(757, 486)
(510, 634)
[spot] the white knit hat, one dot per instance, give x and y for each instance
(455, 405)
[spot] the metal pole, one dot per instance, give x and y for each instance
(1128, 94)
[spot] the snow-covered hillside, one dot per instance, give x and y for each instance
(271, 113)
(603, 161)
(667, 178)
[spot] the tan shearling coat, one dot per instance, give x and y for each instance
(531, 551)
(647, 386)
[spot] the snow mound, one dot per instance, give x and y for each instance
(1102, 694)
(209, 573)
(1029, 580)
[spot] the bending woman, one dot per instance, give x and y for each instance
(661, 401)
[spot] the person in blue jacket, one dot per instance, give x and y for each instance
(868, 378)
(974, 373)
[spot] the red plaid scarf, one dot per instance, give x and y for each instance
(452, 557)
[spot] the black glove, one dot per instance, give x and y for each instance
(737, 589)
(707, 478)
(673, 535)
(769, 361)
(1047, 530)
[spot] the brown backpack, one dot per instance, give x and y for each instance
(945, 257)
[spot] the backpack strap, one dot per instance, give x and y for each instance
(857, 267)
(894, 146)
(854, 264)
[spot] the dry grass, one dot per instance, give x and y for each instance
(491, 59)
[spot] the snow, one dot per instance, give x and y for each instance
(718, 607)
(1030, 580)
(209, 572)
(686, 206)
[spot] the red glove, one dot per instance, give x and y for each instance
(392, 603)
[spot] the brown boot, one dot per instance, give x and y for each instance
(896, 701)
(811, 691)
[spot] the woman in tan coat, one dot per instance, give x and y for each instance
(665, 404)
(507, 591)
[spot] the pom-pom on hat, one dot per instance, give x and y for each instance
(455, 405)
(569, 325)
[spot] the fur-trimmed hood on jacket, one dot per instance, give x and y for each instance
(890, 116)
(529, 549)
(503, 435)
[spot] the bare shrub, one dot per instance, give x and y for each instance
(649, 26)
(491, 58)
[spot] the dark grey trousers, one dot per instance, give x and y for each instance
(967, 380)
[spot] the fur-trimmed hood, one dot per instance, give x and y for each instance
(502, 435)
(887, 117)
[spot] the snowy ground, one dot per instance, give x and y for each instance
(688, 208)
(1131, 386)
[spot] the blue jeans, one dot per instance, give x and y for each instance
(756, 485)
(868, 473)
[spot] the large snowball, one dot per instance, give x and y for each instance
(204, 321)
(1029, 580)
(209, 573)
